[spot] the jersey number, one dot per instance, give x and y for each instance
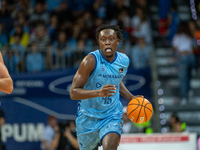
(107, 100)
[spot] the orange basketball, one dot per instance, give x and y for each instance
(139, 110)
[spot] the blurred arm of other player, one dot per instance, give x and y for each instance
(6, 83)
(77, 92)
(125, 92)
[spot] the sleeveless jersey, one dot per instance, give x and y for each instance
(105, 72)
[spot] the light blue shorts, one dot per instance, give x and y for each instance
(90, 131)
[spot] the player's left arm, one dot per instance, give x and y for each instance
(6, 83)
(125, 92)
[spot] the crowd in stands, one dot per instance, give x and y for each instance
(183, 37)
(38, 35)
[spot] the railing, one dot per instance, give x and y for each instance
(40, 59)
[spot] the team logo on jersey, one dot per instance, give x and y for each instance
(98, 85)
(121, 70)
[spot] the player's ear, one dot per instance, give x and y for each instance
(118, 41)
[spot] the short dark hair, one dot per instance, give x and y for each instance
(116, 28)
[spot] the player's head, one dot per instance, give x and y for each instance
(109, 37)
(174, 119)
(116, 28)
(52, 120)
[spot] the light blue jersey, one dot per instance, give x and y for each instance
(101, 115)
(105, 72)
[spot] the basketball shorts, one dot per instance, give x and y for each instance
(90, 131)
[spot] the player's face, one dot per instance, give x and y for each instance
(108, 42)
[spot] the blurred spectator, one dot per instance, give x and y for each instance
(192, 27)
(65, 138)
(5, 16)
(141, 54)
(34, 60)
(183, 46)
(87, 18)
(39, 15)
(77, 7)
(53, 4)
(141, 25)
(129, 126)
(81, 24)
(139, 3)
(162, 27)
(79, 54)
(97, 22)
(21, 21)
(123, 20)
(63, 9)
(24, 36)
(2, 121)
(41, 37)
(60, 52)
(173, 21)
(175, 124)
(144, 5)
(22, 6)
(102, 9)
(88, 42)
(72, 43)
(52, 27)
(126, 3)
(49, 133)
(164, 9)
(3, 36)
(118, 7)
(8, 58)
(18, 53)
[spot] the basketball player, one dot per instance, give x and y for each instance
(6, 83)
(98, 84)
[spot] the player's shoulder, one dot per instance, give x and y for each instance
(94, 53)
(88, 62)
(120, 54)
(123, 58)
(89, 59)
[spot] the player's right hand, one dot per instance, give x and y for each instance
(107, 90)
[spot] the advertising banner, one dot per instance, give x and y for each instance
(35, 96)
(170, 141)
